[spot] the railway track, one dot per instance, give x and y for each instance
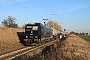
(13, 54)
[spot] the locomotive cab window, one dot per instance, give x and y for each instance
(35, 28)
(28, 26)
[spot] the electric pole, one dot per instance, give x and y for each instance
(45, 21)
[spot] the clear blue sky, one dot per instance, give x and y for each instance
(73, 15)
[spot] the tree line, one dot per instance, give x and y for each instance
(10, 22)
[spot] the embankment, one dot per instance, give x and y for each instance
(10, 38)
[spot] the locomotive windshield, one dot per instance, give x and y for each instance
(28, 26)
(35, 28)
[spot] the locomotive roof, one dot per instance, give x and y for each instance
(35, 24)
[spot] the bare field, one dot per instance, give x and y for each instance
(9, 39)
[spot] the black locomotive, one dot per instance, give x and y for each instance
(35, 33)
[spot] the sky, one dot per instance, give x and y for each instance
(72, 15)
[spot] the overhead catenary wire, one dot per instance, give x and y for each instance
(27, 8)
(47, 9)
(39, 5)
(34, 6)
(47, 6)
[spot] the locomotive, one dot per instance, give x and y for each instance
(35, 33)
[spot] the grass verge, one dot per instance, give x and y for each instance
(86, 37)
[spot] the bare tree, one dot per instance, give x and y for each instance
(10, 22)
(54, 24)
(23, 27)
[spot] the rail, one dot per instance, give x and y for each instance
(13, 54)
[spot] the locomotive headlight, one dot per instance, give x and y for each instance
(31, 31)
(26, 36)
(36, 36)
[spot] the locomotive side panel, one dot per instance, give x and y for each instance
(46, 31)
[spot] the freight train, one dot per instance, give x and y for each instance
(36, 33)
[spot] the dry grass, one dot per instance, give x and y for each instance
(9, 39)
(75, 48)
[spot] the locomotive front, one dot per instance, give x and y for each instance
(32, 33)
